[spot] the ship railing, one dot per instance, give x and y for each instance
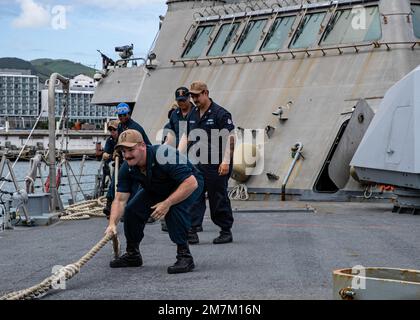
(123, 62)
(293, 53)
(5, 215)
(19, 194)
(34, 181)
(63, 176)
(88, 193)
(406, 14)
(261, 7)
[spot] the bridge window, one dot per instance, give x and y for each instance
(250, 36)
(352, 26)
(278, 33)
(416, 19)
(307, 32)
(223, 39)
(198, 42)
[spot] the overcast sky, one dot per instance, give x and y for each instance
(75, 29)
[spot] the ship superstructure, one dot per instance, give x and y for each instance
(297, 71)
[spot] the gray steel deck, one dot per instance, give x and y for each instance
(286, 255)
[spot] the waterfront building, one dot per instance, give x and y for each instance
(22, 99)
(80, 108)
(19, 99)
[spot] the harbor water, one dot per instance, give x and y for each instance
(86, 180)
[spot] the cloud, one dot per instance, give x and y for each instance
(33, 15)
(122, 4)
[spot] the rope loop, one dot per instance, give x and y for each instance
(239, 192)
(67, 272)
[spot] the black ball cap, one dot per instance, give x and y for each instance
(182, 94)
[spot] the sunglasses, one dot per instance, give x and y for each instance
(112, 129)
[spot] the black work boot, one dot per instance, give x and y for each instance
(193, 237)
(224, 237)
(184, 261)
(107, 209)
(132, 258)
(164, 226)
(198, 228)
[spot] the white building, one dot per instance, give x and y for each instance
(19, 99)
(82, 82)
(80, 108)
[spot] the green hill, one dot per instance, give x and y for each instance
(15, 63)
(65, 67)
(41, 61)
(43, 68)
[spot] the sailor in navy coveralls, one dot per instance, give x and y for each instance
(213, 155)
(170, 185)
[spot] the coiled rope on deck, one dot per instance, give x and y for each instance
(84, 210)
(239, 192)
(63, 274)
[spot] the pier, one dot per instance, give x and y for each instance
(76, 142)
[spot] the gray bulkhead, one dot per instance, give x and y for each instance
(322, 86)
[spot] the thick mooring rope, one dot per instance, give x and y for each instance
(239, 192)
(84, 210)
(65, 273)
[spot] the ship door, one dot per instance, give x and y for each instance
(335, 172)
(324, 183)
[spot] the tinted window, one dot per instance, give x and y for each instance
(278, 33)
(346, 26)
(416, 19)
(307, 33)
(250, 36)
(223, 39)
(198, 42)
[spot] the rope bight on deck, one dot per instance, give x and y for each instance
(63, 274)
(78, 211)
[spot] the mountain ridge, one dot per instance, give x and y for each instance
(44, 67)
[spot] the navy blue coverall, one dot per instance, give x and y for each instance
(215, 118)
(109, 148)
(130, 124)
(175, 123)
(159, 182)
